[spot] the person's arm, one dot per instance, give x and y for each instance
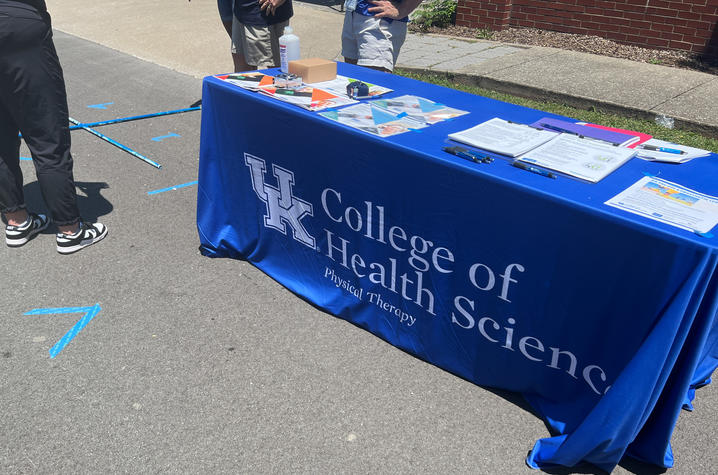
(225, 13)
(392, 10)
(270, 6)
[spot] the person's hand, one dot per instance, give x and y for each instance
(270, 6)
(385, 9)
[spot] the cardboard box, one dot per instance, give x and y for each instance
(313, 69)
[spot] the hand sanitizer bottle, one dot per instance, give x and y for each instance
(288, 48)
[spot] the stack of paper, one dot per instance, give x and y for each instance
(662, 151)
(252, 81)
(339, 85)
(504, 137)
(307, 97)
(588, 159)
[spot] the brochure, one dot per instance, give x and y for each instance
(669, 203)
(372, 119)
(339, 85)
(584, 158)
(252, 81)
(308, 97)
(662, 151)
(419, 108)
(504, 137)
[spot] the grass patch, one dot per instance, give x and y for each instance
(683, 137)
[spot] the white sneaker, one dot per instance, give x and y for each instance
(16, 236)
(89, 234)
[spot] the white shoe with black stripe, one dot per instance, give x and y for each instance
(89, 234)
(16, 236)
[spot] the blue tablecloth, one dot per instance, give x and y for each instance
(605, 321)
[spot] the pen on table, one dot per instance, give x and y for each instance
(532, 169)
(465, 153)
(662, 149)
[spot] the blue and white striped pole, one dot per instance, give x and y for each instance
(137, 117)
(116, 144)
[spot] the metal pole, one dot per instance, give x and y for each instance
(137, 117)
(116, 144)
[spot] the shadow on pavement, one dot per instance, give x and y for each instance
(90, 200)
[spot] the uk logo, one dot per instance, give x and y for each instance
(283, 208)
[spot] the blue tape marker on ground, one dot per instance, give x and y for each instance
(162, 137)
(90, 313)
(26, 159)
(172, 187)
(100, 106)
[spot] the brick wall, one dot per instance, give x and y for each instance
(689, 25)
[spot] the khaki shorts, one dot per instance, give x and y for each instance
(258, 44)
(372, 41)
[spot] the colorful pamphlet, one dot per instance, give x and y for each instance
(374, 120)
(669, 203)
(419, 108)
(252, 80)
(308, 97)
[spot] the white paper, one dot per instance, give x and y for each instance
(500, 136)
(339, 85)
(689, 153)
(669, 203)
(584, 158)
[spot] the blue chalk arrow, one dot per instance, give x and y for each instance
(90, 313)
(162, 137)
(100, 106)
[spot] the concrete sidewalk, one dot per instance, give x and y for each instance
(188, 37)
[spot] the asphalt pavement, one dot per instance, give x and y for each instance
(198, 365)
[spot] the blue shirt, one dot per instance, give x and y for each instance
(225, 9)
(249, 13)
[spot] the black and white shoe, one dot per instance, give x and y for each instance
(16, 236)
(89, 234)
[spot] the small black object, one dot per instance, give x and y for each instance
(357, 89)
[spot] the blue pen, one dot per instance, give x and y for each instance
(662, 149)
(532, 169)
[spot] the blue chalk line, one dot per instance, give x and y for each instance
(91, 312)
(173, 187)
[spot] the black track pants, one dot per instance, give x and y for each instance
(33, 101)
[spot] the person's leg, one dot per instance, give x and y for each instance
(39, 105)
(275, 31)
(378, 41)
(21, 29)
(350, 49)
(257, 46)
(238, 40)
(12, 200)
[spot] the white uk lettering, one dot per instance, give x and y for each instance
(530, 347)
(423, 255)
(384, 274)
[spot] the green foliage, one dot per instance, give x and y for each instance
(430, 13)
(593, 115)
(484, 34)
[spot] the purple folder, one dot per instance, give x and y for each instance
(556, 125)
